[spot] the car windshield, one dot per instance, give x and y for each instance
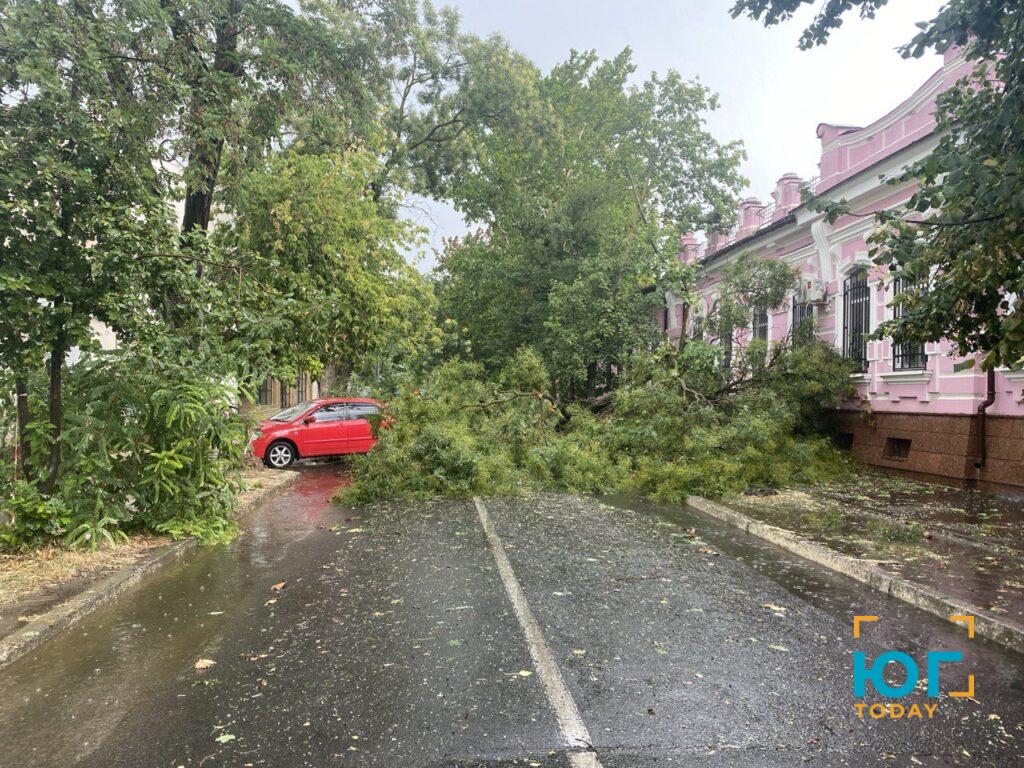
(288, 414)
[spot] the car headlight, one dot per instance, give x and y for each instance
(257, 434)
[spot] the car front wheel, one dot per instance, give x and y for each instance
(279, 455)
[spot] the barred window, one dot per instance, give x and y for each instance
(803, 322)
(264, 392)
(726, 344)
(761, 323)
(286, 401)
(909, 356)
(856, 318)
(301, 387)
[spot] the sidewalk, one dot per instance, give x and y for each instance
(45, 591)
(965, 545)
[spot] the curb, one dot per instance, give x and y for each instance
(64, 615)
(986, 625)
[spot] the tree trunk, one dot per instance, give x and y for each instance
(55, 396)
(334, 378)
(204, 158)
(328, 379)
(22, 415)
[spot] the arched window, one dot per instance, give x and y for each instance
(803, 329)
(856, 318)
(697, 331)
(726, 344)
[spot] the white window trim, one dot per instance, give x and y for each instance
(924, 374)
(860, 260)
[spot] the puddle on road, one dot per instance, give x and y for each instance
(90, 677)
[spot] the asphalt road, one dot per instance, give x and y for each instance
(551, 631)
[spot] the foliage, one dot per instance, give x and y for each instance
(79, 196)
(449, 88)
(959, 237)
(325, 256)
(150, 443)
(581, 203)
(459, 435)
(745, 286)
(679, 425)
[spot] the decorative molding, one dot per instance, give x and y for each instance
(866, 182)
(907, 377)
(827, 259)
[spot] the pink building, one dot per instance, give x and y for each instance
(912, 412)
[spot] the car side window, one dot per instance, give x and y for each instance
(362, 411)
(335, 412)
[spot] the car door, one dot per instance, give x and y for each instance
(325, 434)
(358, 430)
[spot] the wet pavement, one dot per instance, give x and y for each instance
(393, 644)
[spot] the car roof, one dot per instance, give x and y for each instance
(332, 400)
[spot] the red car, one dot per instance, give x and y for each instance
(328, 427)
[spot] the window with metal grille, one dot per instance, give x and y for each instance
(727, 351)
(263, 393)
(803, 322)
(856, 318)
(301, 387)
(761, 323)
(697, 332)
(908, 356)
(286, 400)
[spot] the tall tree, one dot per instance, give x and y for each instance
(447, 86)
(959, 237)
(82, 108)
(581, 203)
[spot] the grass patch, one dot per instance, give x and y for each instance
(22, 575)
(893, 533)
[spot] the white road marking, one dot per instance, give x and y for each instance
(568, 714)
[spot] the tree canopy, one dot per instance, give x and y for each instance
(580, 203)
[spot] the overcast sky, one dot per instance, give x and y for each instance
(772, 94)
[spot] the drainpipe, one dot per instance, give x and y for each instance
(982, 408)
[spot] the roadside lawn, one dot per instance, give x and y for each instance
(965, 544)
(35, 581)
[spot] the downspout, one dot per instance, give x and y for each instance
(982, 408)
